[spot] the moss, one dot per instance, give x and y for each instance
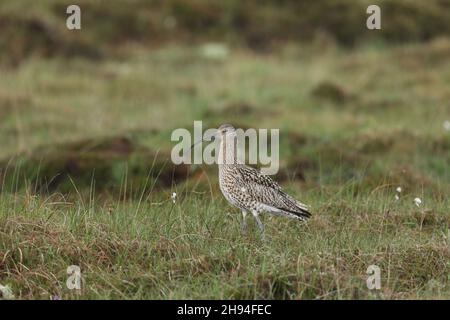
(330, 91)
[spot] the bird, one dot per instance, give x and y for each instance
(250, 190)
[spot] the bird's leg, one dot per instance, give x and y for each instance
(244, 222)
(258, 221)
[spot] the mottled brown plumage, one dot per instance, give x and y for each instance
(250, 190)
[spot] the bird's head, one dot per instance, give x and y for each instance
(225, 130)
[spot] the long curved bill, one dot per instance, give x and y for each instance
(210, 138)
(196, 143)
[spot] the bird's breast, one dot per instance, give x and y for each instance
(228, 183)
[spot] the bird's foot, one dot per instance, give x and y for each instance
(244, 228)
(263, 236)
(260, 226)
(244, 223)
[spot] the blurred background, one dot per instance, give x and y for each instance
(368, 106)
(86, 118)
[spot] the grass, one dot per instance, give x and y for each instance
(355, 125)
(194, 249)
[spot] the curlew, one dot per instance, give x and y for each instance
(248, 189)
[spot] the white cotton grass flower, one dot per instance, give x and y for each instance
(417, 202)
(447, 125)
(6, 292)
(399, 190)
(174, 197)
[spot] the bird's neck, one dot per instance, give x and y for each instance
(228, 151)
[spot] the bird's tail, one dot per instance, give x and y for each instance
(297, 209)
(301, 213)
